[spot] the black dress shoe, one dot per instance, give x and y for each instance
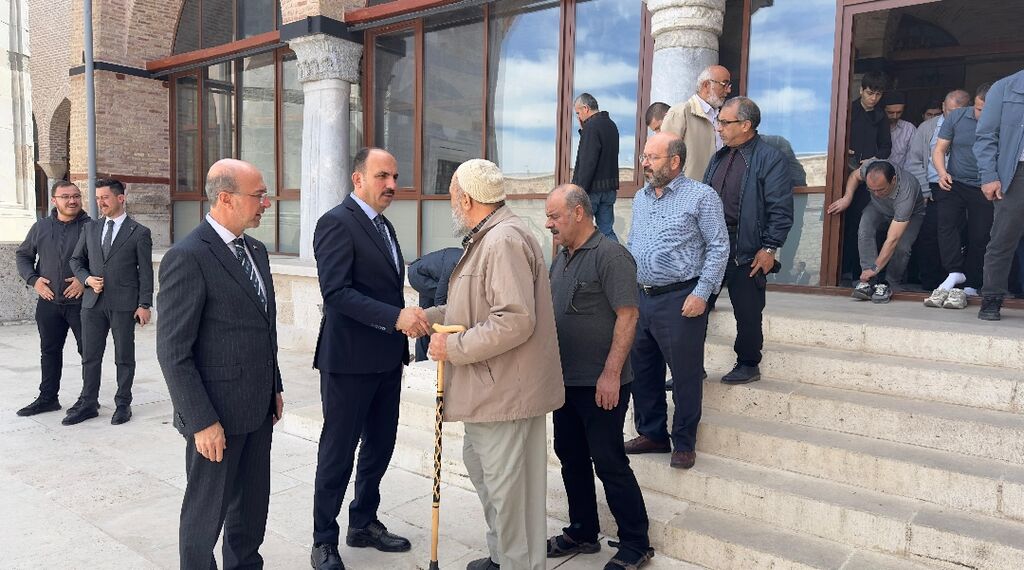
(79, 415)
(376, 535)
(121, 415)
(742, 374)
(325, 557)
(39, 406)
(483, 564)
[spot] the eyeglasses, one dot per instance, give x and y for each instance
(261, 198)
(726, 122)
(727, 83)
(69, 197)
(651, 157)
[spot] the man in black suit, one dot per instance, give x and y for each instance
(360, 354)
(114, 259)
(216, 341)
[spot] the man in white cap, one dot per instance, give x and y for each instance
(506, 370)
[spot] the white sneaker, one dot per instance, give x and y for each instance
(937, 298)
(956, 299)
(970, 291)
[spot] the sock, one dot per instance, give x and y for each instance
(953, 280)
(971, 291)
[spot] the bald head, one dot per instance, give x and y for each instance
(570, 216)
(223, 176)
(237, 194)
(955, 99)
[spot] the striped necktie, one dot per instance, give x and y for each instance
(249, 270)
(382, 229)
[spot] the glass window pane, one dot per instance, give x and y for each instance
(255, 17)
(219, 106)
(186, 134)
(217, 18)
(402, 214)
(607, 66)
(256, 116)
(187, 36)
(394, 84)
(453, 106)
(291, 125)
(522, 103)
(801, 256)
(437, 226)
(186, 218)
(790, 76)
(268, 227)
(532, 213)
(288, 216)
(356, 139)
(623, 218)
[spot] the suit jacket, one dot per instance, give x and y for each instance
(127, 271)
(216, 345)
(362, 294)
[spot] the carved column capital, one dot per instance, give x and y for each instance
(321, 56)
(686, 23)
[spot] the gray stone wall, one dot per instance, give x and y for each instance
(17, 302)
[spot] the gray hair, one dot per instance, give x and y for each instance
(676, 147)
(225, 182)
(746, 110)
(958, 97)
(704, 76)
(576, 196)
(587, 100)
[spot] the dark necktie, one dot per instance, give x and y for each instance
(249, 270)
(382, 229)
(108, 238)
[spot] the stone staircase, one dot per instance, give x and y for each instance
(881, 437)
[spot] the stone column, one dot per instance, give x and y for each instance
(17, 174)
(328, 66)
(55, 172)
(685, 42)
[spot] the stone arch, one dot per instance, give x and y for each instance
(53, 141)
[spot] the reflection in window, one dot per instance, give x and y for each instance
(452, 96)
(210, 23)
(801, 256)
(219, 99)
(394, 69)
(291, 124)
(186, 133)
(608, 70)
(255, 17)
(256, 116)
(522, 105)
(790, 74)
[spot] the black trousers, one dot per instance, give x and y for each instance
(234, 495)
(962, 203)
(53, 322)
(355, 407)
(851, 224)
(925, 253)
(589, 439)
(96, 323)
(747, 295)
(664, 335)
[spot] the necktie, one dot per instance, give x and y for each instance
(249, 270)
(108, 237)
(382, 229)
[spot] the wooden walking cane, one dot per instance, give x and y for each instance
(436, 509)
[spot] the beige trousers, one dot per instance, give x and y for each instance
(507, 463)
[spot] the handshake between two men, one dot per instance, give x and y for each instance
(413, 322)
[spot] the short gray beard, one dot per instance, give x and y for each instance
(460, 227)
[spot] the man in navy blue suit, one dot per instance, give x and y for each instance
(360, 353)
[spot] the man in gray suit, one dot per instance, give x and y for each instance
(114, 259)
(216, 341)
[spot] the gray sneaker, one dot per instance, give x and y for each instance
(957, 299)
(937, 298)
(882, 294)
(862, 292)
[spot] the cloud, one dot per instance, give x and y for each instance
(788, 101)
(595, 70)
(782, 52)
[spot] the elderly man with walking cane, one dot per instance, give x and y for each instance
(506, 374)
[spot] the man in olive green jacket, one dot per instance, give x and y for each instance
(506, 373)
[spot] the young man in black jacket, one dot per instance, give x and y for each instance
(597, 161)
(43, 264)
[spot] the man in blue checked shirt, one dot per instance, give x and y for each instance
(681, 246)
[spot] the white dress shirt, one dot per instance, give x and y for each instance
(229, 239)
(372, 214)
(712, 114)
(118, 222)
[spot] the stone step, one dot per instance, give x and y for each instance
(859, 517)
(896, 329)
(958, 429)
(973, 484)
(987, 387)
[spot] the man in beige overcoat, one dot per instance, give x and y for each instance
(694, 120)
(506, 374)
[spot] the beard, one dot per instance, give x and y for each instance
(716, 101)
(460, 226)
(658, 178)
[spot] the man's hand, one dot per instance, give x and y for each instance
(74, 289)
(992, 190)
(278, 407)
(763, 262)
(946, 181)
(413, 322)
(42, 287)
(95, 283)
(211, 443)
(839, 205)
(142, 316)
(868, 274)
(694, 306)
(608, 384)
(438, 349)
